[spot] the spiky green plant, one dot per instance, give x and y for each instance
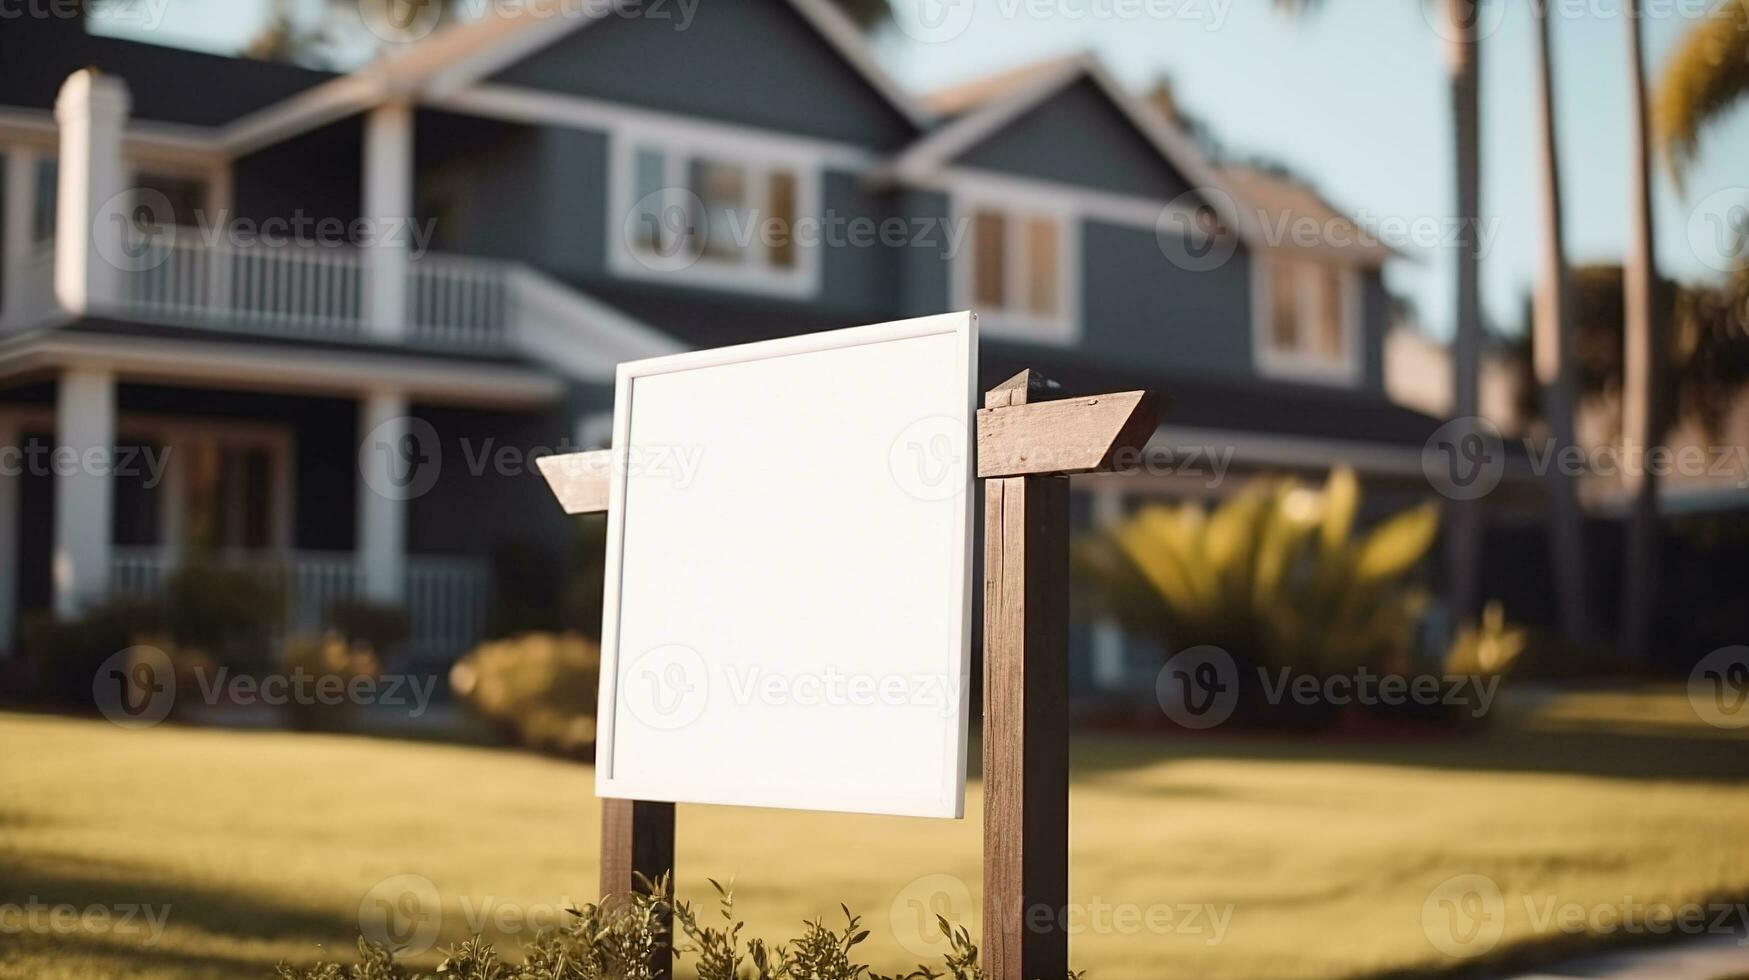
(1274, 575)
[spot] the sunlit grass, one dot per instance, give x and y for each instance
(1324, 849)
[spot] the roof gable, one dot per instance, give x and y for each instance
(1077, 136)
(767, 63)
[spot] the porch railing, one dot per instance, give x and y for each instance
(445, 597)
(307, 290)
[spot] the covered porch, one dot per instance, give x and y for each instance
(124, 457)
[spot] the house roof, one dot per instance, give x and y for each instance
(1264, 199)
(187, 87)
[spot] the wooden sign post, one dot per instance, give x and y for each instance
(1026, 449)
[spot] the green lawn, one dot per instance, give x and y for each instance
(1325, 850)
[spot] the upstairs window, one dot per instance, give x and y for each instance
(1309, 312)
(712, 217)
(1017, 274)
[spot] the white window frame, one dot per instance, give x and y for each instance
(801, 281)
(1299, 364)
(1013, 320)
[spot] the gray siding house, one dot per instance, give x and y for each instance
(448, 251)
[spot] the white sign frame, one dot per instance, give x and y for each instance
(945, 799)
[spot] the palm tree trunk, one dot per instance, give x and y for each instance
(1464, 529)
(1552, 339)
(1642, 370)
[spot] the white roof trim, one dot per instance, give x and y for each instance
(930, 155)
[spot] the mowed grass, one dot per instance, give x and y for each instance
(1319, 854)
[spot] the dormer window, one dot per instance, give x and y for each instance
(1308, 319)
(714, 217)
(1016, 275)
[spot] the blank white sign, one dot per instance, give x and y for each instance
(788, 599)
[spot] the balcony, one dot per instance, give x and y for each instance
(445, 597)
(302, 291)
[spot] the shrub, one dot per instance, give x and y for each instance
(539, 688)
(64, 654)
(327, 656)
(230, 612)
(617, 940)
(380, 628)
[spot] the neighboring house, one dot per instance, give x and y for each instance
(549, 155)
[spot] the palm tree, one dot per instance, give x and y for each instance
(1708, 74)
(1464, 72)
(1552, 343)
(1643, 358)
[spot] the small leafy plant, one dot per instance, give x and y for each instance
(618, 939)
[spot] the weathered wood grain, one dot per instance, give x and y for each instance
(1070, 435)
(637, 838)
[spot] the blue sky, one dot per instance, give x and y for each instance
(1352, 96)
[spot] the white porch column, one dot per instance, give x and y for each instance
(388, 205)
(92, 111)
(16, 239)
(11, 471)
(385, 474)
(84, 447)
(1109, 668)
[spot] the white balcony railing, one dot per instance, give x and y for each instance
(445, 597)
(313, 291)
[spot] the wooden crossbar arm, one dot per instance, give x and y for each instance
(579, 480)
(1071, 435)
